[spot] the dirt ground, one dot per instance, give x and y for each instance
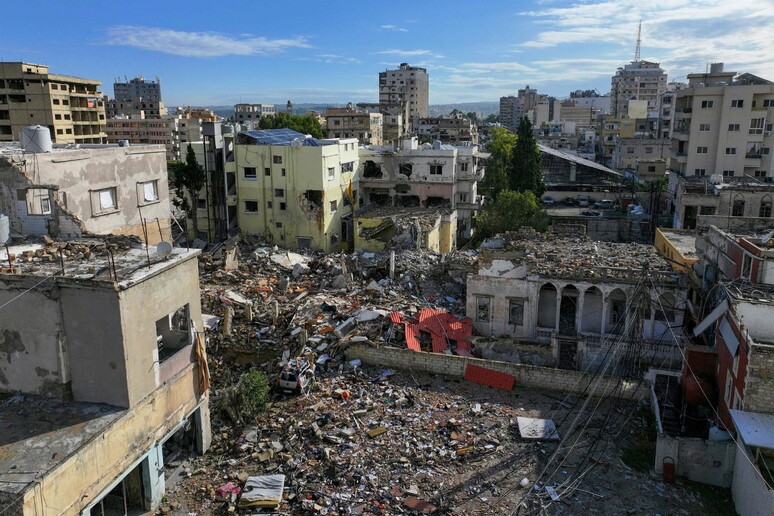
(441, 445)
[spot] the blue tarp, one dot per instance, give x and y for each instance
(279, 137)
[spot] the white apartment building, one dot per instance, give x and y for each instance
(246, 113)
(723, 125)
(639, 80)
(409, 85)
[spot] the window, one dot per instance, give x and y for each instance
(700, 172)
(283, 206)
(464, 167)
(730, 151)
(737, 103)
(728, 173)
(482, 309)
(201, 204)
(331, 173)
(173, 332)
(704, 128)
(651, 168)
(347, 167)
(57, 116)
(760, 173)
(405, 169)
(629, 150)
(757, 125)
(279, 225)
(648, 150)
(706, 210)
(251, 206)
(150, 191)
(276, 159)
(753, 150)
(737, 209)
(765, 211)
(334, 206)
(250, 173)
(768, 102)
(55, 102)
(436, 170)
(733, 128)
(516, 312)
(707, 104)
(105, 200)
(337, 122)
(701, 150)
(282, 173)
(729, 386)
(269, 205)
(279, 192)
(266, 171)
(736, 364)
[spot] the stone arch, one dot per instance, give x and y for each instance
(568, 310)
(547, 306)
(593, 305)
(615, 320)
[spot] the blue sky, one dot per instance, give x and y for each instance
(255, 51)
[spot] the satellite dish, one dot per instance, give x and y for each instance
(164, 249)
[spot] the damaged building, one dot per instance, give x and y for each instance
(103, 374)
(71, 192)
(427, 176)
(577, 297)
(566, 174)
(390, 227)
(296, 191)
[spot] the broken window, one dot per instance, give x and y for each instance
(372, 170)
(173, 332)
(252, 206)
(250, 173)
(347, 167)
(402, 188)
(436, 170)
(279, 192)
(276, 159)
(482, 309)
(334, 206)
(331, 173)
(201, 204)
(437, 201)
(738, 208)
(406, 169)
(516, 312)
(408, 201)
(304, 243)
(283, 206)
(315, 198)
(765, 210)
(38, 201)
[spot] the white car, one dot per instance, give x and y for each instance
(604, 204)
(582, 200)
(296, 376)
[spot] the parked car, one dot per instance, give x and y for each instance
(582, 200)
(569, 201)
(590, 213)
(297, 376)
(604, 204)
(548, 200)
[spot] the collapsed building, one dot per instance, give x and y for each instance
(575, 298)
(102, 374)
(388, 227)
(424, 176)
(68, 192)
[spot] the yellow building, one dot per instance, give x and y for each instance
(678, 245)
(72, 108)
(432, 230)
(296, 191)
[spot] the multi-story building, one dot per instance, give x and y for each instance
(251, 113)
(666, 115)
(137, 107)
(70, 107)
(142, 131)
(723, 125)
(639, 80)
(216, 205)
(296, 192)
(455, 129)
(138, 87)
(349, 122)
(513, 109)
(583, 116)
(427, 175)
(394, 121)
(95, 190)
(409, 85)
(104, 371)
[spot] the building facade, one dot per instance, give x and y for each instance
(137, 107)
(251, 113)
(409, 85)
(150, 91)
(349, 122)
(70, 107)
(456, 129)
(638, 80)
(142, 131)
(296, 192)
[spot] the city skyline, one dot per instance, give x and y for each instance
(312, 53)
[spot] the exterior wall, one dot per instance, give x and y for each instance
(439, 238)
(759, 387)
(629, 151)
(138, 87)
(365, 126)
(306, 169)
(142, 132)
(407, 84)
(752, 497)
(699, 460)
(526, 375)
(81, 478)
(72, 108)
(640, 80)
(671, 251)
(73, 177)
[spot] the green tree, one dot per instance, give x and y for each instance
(188, 179)
(491, 118)
(251, 391)
(472, 116)
(499, 162)
(301, 123)
(525, 161)
(509, 212)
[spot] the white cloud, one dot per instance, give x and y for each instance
(338, 59)
(198, 44)
(405, 53)
(394, 28)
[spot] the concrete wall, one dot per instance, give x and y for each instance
(752, 497)
(81, 478)
(759, 391)
(708, 462)
(526, 376)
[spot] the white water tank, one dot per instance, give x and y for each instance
(35, 139)
(5, 229)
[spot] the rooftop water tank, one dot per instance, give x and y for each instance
(35, 139)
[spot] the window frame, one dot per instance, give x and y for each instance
(97, 201)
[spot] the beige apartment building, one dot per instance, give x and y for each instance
(71, 107)
(638, 80)
(349, 122)
(143, 131)
(409, 85)
(137, 107)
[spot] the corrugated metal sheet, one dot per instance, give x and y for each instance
(484, 376)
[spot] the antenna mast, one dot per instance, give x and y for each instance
(637, 48)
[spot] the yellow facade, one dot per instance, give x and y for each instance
(678, 246)
(435, 232)
(71, 107)
(298, 196)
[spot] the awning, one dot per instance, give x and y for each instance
(711, 318)
(732, 343)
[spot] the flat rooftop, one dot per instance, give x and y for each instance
(120, 260)
(751, 292)
(684, 241)
(553, 255)
(15, 149)
(38, 434)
